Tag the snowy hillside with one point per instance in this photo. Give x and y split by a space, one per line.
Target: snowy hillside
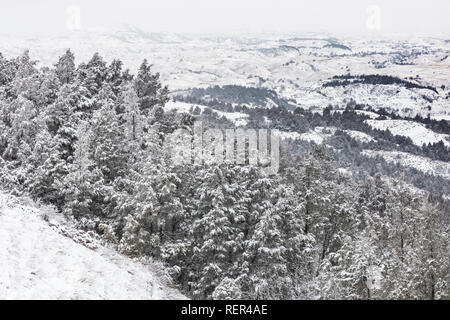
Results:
394 98
40 260
418 133
423 164
238 118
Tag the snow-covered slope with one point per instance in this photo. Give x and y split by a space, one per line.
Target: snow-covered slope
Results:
360 136
238 118
433 167
418 133
39 259
318 135
393 98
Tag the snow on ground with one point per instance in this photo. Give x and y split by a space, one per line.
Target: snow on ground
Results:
434 167
360 136
318 135
370 114
40 260
287 135
312 136
238 118
416 131
393 98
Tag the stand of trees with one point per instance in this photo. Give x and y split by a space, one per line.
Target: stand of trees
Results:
374 79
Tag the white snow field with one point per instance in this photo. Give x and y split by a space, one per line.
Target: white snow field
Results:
39 259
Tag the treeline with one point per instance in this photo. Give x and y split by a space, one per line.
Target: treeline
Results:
92 140
236 95
439 126
374 79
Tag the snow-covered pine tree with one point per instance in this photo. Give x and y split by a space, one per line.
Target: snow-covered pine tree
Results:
93 74
65 67
149 89
114 76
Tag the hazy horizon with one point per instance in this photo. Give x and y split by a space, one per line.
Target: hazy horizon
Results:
352 17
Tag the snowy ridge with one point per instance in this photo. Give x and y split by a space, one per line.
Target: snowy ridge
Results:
40 260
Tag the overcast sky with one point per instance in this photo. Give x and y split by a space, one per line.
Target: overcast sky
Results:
385 17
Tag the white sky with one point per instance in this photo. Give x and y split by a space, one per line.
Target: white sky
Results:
338 16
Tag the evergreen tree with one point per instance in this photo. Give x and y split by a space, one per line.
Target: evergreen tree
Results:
149 89
65 68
